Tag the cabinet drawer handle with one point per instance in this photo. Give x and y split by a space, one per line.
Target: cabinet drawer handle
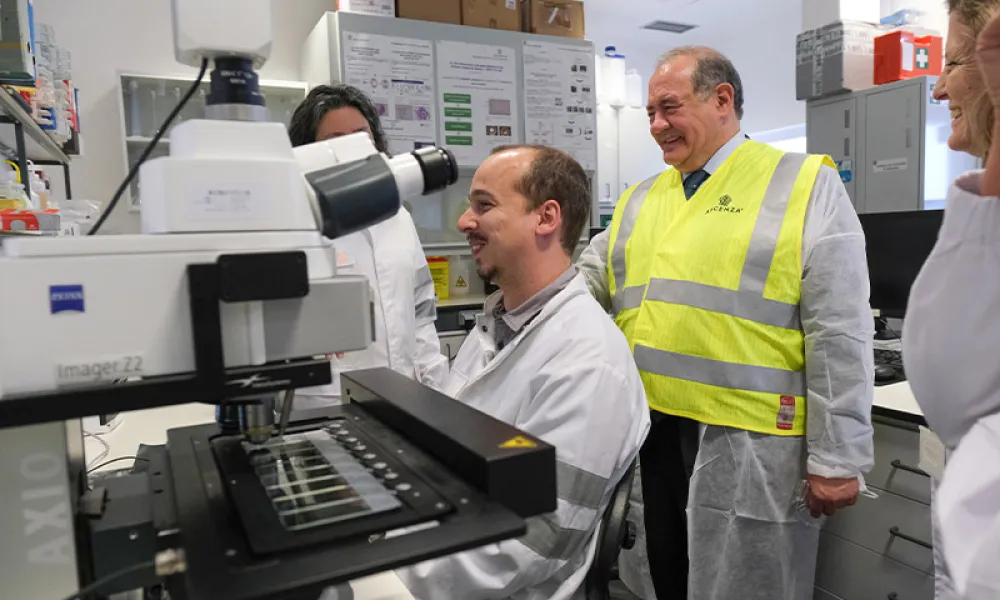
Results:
894 532
898 465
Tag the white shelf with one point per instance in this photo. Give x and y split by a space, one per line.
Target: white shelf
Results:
465 301
39 145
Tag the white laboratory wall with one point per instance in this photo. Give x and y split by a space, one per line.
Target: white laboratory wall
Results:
109 36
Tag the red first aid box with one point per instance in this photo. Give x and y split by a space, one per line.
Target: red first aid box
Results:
902 55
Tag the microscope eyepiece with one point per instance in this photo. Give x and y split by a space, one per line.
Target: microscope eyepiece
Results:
438 166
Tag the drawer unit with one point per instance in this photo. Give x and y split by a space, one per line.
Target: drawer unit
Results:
451 342
891 525
897 456
850 572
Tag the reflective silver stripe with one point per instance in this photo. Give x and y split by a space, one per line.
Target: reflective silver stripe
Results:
424 276
630 297
767 228
629 216
720 374
737 303
426 309
576 486
549 540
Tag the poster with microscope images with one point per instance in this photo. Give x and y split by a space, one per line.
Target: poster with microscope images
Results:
477 95
398 75
560 109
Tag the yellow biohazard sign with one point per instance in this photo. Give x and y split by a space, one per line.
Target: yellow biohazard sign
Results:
461 282
518 442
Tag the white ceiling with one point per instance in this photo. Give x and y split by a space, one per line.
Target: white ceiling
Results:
757 35
747 20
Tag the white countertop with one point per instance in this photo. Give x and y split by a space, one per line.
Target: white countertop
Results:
151 426
897 397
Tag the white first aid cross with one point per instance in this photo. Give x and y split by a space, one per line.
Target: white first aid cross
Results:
923 58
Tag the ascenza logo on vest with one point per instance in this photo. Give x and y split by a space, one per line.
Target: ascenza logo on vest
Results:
710 306
724 206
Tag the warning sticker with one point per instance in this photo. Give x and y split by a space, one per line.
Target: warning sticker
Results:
786 413
461 282
519 442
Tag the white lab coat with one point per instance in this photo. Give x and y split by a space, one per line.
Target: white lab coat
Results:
569 379
951 346
389 254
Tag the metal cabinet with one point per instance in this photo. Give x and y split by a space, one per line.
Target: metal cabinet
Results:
892 138
890 143
830 129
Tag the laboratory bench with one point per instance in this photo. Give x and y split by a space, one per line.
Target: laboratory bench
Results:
880 548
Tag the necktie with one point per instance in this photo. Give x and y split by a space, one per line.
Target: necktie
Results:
694 181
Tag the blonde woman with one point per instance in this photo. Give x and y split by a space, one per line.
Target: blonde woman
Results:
951 341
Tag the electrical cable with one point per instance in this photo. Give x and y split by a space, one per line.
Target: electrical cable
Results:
114 460
108 579
105 452
149 149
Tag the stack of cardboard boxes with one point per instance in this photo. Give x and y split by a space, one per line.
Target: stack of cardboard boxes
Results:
563 18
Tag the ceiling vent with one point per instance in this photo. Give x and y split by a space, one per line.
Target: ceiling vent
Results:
668 26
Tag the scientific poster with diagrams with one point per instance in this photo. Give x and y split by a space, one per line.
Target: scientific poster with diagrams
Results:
477 95
559 99
398 75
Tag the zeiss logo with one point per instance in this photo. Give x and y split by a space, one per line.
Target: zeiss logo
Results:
66 298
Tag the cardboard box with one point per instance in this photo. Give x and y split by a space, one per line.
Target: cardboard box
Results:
46 221
378 8
440 11
494 14
563 18
836 58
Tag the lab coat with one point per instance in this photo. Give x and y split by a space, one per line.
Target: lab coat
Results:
389 254
569 379
951 347
742 490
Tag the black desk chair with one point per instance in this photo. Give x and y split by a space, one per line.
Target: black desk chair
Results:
614 533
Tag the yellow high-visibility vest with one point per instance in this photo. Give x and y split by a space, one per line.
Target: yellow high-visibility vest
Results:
707 290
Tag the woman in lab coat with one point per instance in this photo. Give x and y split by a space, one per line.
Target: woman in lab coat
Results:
951 340
388 254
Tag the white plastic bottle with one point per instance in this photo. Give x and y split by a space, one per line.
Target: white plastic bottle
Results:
39 193
613 76
633 89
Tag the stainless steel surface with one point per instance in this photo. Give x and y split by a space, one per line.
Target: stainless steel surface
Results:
40 145
287 399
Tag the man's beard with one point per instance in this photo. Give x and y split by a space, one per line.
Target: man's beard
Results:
487 274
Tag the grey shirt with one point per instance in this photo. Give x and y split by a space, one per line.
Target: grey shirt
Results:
508 324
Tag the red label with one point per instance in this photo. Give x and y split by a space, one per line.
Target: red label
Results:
786 413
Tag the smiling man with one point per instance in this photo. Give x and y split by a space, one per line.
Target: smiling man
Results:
739 278
545 358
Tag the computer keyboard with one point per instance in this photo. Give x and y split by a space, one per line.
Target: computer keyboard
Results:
892 358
